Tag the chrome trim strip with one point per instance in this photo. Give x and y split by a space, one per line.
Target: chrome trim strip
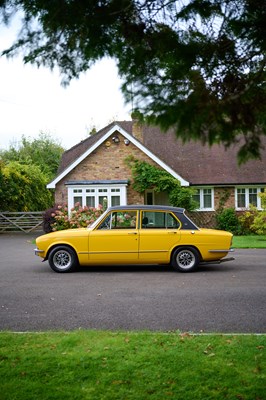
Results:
222 251
107 252
122 252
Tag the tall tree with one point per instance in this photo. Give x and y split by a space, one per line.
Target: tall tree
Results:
43 151
195 65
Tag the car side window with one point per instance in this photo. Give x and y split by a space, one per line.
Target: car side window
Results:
124 220
172 222
159 220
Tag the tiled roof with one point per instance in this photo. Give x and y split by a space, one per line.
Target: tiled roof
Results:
196 163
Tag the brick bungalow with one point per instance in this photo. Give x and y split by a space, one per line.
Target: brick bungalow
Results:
95 169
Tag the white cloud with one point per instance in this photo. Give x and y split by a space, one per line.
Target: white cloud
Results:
33 100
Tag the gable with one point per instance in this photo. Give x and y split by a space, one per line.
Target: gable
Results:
103 137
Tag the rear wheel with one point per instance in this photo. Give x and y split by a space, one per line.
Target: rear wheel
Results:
63 259
185 259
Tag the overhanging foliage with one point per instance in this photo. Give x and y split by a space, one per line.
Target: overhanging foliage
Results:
197 66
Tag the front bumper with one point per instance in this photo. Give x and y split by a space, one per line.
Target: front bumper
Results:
38 252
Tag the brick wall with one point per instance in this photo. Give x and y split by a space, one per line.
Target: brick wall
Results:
106 162
224 197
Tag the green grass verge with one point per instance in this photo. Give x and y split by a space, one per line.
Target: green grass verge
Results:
250 242
131 365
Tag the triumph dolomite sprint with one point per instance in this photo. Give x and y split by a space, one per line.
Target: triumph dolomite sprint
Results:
137 234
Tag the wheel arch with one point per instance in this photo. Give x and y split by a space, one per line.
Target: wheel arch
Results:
54 245
183 246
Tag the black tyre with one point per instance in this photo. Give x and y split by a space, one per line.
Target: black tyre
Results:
185 259
63 259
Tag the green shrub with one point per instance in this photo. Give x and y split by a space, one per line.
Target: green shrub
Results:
183 197
227 220
254 220
259 223
247 219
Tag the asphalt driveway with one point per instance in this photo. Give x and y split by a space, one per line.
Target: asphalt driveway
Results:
230 297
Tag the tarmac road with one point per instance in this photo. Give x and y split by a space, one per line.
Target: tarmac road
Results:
230 297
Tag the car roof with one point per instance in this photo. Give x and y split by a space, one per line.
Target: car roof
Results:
148 208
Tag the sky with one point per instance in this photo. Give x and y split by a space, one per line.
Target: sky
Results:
33 100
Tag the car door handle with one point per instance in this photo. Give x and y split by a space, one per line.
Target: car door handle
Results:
132 233
172 233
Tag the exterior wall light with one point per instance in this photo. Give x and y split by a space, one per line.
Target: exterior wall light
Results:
115 139
126 141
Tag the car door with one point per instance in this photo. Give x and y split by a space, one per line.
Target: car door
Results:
159 234
116 240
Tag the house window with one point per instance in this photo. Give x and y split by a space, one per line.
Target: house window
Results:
90 197
204 198
248 196
95 195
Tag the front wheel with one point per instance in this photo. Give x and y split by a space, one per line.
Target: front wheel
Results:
62 259
185 259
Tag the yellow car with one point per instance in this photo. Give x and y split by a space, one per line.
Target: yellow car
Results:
135 235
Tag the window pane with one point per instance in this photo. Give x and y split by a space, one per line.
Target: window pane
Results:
241 198
196 197
253 197
154 220
78 199
115 201
90 201
103 200
207 198
171 222
124 219
106 223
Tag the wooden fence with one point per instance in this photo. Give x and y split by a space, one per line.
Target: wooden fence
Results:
21 221
203 219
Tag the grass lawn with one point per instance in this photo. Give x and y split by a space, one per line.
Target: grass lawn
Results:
249 242
107 365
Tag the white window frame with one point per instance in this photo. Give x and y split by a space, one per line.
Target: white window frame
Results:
247 203
201 193
96 192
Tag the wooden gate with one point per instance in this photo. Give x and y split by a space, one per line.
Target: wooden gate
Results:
21 221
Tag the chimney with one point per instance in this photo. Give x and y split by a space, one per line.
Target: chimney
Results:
137 130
